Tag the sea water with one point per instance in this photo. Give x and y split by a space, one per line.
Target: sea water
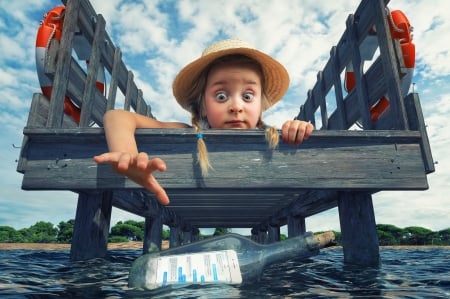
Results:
404 273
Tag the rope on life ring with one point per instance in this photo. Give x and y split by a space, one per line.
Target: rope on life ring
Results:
400 29
51 28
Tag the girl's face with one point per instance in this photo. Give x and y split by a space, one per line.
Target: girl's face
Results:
233 97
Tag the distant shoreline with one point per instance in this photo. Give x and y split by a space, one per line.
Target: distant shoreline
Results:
56 246
165 245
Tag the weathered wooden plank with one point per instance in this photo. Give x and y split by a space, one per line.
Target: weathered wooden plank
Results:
62 159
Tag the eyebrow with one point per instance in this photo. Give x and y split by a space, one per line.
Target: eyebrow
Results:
221 82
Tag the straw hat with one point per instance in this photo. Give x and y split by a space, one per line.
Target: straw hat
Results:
276 78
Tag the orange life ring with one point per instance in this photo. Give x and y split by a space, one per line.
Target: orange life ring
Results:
51 28
400 28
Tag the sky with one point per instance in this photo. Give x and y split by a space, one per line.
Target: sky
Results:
158 38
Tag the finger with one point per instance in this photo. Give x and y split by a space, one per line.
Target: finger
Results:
107 157
309 130
295 133
285 131
305 131
124 161
156 164
159 191
99 158
142 160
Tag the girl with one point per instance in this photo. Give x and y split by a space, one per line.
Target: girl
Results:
228 87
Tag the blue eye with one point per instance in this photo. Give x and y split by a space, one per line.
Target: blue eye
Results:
248 96
221 96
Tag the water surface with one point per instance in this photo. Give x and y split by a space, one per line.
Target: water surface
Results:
404 273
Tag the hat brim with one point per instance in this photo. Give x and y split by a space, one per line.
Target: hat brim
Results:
276 78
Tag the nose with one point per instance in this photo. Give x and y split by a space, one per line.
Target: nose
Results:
235 104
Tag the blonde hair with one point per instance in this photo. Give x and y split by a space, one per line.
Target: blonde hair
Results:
197 107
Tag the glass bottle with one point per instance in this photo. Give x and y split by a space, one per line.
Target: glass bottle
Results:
230 258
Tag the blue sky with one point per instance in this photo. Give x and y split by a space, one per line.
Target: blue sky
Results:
157 38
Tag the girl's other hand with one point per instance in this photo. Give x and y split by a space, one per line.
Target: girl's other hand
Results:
295 131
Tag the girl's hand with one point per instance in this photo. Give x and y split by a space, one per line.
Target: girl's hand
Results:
295 131
139 168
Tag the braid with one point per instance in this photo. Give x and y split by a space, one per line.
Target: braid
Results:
272 135
202 151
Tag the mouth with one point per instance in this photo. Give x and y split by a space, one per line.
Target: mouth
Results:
235 123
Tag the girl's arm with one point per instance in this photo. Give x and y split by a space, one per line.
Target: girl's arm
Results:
120 126
123 154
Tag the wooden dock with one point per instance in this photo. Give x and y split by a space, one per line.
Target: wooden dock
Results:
251 186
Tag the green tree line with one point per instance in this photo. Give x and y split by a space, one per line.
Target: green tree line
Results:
46 232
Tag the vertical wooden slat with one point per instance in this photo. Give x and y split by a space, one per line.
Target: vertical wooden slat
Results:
129 92
320 96
309 108
360 88
340 107
149 111
113 82
141 107
93 69
61 79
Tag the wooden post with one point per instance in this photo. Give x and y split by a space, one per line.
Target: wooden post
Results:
274 234
90 235
254 236
262 236
187 234
152 234
195 235
296 226
174 236
358 227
